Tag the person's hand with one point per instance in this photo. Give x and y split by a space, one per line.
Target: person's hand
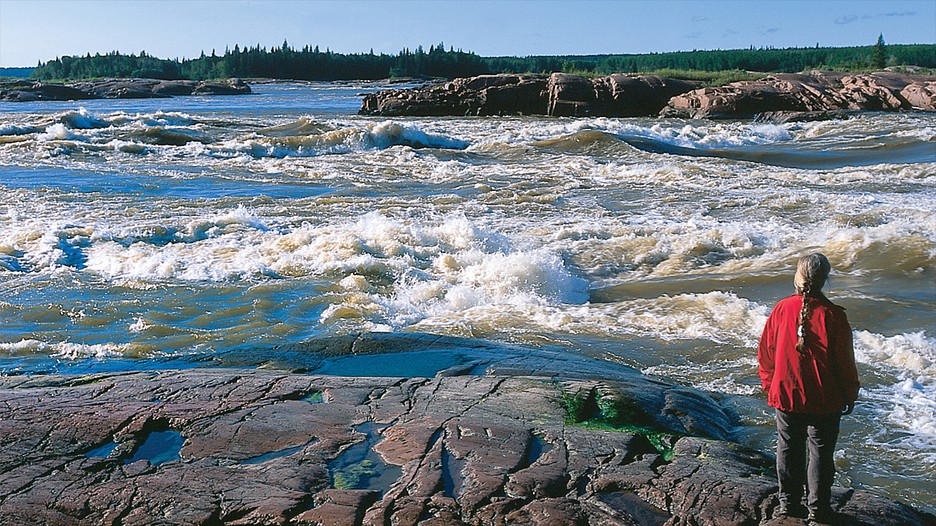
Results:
849 407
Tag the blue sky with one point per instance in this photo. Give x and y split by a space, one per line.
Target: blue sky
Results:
34 30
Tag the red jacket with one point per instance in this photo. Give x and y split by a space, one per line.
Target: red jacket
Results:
821 381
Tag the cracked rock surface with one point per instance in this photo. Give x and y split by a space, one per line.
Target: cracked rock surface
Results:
559 94
807 96
507 437
779 97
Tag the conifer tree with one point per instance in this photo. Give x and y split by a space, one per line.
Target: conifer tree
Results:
879 59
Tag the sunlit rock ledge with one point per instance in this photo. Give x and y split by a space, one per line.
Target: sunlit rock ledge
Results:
558 94
808 95
778 97
26 90
455 432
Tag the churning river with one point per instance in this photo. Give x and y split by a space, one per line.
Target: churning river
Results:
139 234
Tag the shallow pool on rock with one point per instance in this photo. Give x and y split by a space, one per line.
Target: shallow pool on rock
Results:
407 365
360 467
158 447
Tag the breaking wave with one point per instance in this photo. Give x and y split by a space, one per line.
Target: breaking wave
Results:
81 130
789 145
68 350
908 398
345 140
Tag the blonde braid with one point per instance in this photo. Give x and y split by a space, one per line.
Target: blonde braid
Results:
803 319
811 274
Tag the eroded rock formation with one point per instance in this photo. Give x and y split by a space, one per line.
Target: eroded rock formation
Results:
815 92
782 96
558 94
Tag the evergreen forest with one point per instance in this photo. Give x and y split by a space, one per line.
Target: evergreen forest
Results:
308 63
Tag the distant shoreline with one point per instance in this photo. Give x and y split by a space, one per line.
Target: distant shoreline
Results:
16 73
314 64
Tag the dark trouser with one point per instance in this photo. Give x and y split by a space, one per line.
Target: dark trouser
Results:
797 433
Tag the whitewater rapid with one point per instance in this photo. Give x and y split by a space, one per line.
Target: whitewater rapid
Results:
136 232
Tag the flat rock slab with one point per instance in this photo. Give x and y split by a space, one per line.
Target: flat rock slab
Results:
471 445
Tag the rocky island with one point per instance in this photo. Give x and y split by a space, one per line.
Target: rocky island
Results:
558 94
26 90
782 96
455 432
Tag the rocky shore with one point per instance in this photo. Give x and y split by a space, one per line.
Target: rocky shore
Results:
813 95
457 432
558 94
26 91
808 95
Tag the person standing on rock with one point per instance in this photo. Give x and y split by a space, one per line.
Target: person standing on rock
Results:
807 366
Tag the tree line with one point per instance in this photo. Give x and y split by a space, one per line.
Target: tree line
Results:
282 62
790 60
310 63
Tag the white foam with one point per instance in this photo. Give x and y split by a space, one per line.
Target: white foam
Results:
703 136
714 136
389 133
66 350
57 132
82 119
453 256
47 246
138 325
721 317
399 273
218 225
721 376
713 317
349 139
158 118
476 283
210 256
906 393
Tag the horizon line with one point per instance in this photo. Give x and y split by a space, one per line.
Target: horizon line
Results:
328 50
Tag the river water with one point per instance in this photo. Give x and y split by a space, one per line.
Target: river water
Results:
145 233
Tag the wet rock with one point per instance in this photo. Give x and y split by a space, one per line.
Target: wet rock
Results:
569 95
28 91
338 508
779 97
579 441
780 117
613 96
154 88
482 95
816 92
24 91
559 94
121 88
